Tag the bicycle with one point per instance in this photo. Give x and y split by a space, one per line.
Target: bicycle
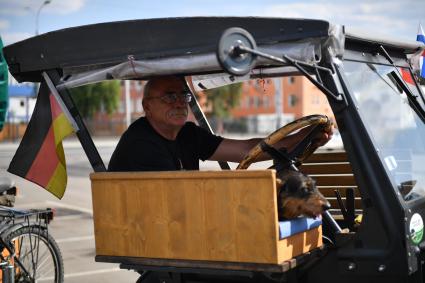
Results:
28 252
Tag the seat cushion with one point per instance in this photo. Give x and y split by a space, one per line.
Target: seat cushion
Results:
290 227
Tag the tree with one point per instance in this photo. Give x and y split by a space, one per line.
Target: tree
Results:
222 101
90 98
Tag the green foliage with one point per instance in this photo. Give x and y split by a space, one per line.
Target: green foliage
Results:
90 98
224 99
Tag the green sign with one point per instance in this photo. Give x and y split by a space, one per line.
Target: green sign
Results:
416 228
4 97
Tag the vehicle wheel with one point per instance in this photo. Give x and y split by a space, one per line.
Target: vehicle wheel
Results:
39 253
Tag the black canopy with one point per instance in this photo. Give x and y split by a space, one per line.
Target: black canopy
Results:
190 43
107 44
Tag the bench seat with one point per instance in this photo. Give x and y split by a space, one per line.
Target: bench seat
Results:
294 226
333 172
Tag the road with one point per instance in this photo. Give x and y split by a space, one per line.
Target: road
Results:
73 225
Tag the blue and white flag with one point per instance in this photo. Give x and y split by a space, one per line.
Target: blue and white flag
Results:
421 37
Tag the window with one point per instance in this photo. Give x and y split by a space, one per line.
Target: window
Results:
394 125
251 101
266 102
255 101
292 100
121 108
246 103
138 86
315 99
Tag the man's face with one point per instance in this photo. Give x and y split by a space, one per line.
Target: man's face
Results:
167 105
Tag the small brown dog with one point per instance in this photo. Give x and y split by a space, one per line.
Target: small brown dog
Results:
298 195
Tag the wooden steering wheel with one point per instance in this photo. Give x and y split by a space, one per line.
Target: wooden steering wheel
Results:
316 122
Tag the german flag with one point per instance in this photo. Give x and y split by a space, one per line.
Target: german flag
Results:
40 157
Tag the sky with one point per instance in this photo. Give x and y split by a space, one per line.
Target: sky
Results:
398 19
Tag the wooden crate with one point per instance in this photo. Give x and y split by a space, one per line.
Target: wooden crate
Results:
223 216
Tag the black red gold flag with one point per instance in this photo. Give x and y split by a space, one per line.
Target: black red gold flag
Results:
40 156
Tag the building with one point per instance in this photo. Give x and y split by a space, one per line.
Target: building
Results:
22 100
267 104
22 97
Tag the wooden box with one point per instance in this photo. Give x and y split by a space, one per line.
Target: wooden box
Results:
220 216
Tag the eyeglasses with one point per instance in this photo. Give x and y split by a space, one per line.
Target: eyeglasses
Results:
172 97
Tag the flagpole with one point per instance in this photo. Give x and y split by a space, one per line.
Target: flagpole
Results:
421 38
60 101
82 133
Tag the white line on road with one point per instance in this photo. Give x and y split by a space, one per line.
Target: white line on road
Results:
55 203
30 205
75 239
68 217
85 273
92 272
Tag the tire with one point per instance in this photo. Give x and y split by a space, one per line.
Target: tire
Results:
38 252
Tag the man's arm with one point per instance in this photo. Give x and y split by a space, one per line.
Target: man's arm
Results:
235 150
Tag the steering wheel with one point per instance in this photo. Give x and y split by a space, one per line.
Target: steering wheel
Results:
303 149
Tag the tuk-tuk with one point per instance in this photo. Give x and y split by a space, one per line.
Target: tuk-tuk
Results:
207 226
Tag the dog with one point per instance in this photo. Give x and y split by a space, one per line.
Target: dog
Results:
298 195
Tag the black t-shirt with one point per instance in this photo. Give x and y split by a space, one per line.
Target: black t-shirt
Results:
141 148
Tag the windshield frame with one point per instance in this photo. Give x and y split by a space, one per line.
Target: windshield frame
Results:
357 57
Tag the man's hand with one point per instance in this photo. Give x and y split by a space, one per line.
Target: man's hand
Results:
324 136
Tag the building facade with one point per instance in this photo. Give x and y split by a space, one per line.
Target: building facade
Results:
267 104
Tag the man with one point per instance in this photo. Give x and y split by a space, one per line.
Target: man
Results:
164 140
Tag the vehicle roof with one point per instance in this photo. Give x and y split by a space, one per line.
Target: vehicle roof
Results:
151 41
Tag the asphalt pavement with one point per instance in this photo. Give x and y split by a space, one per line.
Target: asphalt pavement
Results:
72 227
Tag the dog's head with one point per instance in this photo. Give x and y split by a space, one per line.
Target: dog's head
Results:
298 195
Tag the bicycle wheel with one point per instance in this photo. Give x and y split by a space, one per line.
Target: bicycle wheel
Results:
39 254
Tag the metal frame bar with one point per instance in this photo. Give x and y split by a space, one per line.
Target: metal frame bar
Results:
201 119
82 133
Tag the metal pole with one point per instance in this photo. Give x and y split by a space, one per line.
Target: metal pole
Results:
127 104
46 2
278 101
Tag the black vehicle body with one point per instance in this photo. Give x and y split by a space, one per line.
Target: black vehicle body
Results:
382 249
